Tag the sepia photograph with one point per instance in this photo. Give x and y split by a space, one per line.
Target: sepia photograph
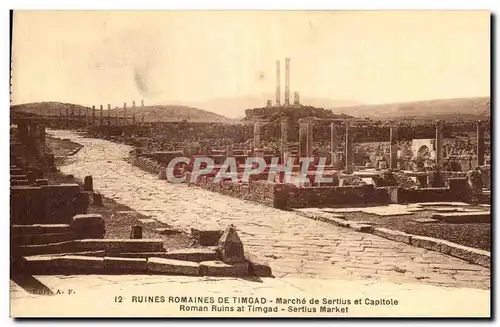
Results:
250 164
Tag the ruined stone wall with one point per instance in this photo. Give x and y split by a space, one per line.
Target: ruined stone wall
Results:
303 197
50 204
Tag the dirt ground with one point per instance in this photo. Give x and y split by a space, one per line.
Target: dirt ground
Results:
118 218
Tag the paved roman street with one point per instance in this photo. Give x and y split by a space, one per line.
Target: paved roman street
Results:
294 246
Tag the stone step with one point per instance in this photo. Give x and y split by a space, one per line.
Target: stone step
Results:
464 217
113 246
17 177
35 229
38 239
110 246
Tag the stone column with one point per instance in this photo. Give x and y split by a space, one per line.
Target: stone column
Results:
480 144
256 139
125 113
116 116
284 138
108 115
87 116
142 111
133 113
66 121
394 147
348 148
303 126
101 115
333 143
93 116
310 136
439 143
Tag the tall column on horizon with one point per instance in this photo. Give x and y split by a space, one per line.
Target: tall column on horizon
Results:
278 83
287 81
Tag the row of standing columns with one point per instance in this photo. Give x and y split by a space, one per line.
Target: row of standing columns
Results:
90 115
306 142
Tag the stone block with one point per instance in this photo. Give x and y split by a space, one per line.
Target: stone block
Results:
157 254
61 247
193 254
258 267
206 237
393 235
168 231
26 205
88 226
425 220
81 203
18 177
476 256
31 177
230 247
429 243
361 227
20 182
39 239
79 264
219 268
173 267
464 217
97 199
59 202
88 183
122 265
41 265
136 232
41 182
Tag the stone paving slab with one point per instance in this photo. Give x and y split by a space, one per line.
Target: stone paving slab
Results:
273 234
160 296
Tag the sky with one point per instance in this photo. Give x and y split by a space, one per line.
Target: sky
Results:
168 57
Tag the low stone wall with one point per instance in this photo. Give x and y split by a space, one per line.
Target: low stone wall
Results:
431 194
303 197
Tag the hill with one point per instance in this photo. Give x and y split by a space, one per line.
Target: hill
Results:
446 109
168 113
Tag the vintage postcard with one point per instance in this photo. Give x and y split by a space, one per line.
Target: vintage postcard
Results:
250 164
